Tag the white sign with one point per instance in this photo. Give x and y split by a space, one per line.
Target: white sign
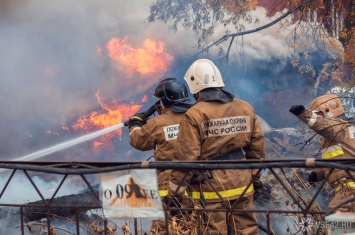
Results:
129 194
171 132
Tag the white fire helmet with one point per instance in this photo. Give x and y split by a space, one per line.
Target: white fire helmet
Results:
202 74
329 104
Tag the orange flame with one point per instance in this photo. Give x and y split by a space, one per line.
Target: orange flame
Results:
113 114
96 144
145 98
151 59
65 128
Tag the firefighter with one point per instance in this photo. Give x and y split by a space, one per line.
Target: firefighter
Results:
159 133
218 127
326 117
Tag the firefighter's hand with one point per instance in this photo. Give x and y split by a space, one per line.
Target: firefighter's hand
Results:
312 178
138 119
258 187
174 202
297 109
262 191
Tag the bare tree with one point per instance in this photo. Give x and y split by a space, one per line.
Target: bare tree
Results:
327 22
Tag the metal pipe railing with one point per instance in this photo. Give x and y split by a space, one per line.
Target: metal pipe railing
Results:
83 169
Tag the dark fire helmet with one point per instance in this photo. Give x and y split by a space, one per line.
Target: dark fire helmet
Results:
172 93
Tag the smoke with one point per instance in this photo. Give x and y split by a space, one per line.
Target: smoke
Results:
49 54
46 184
54 58
19 190
261 47
261 65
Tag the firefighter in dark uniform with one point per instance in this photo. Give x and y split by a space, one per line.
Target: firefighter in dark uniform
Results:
326 117
159 133
218 127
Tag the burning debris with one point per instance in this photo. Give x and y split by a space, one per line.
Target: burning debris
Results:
81 199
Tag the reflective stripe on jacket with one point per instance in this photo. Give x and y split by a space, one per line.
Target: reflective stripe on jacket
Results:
163 193
224 194
332 152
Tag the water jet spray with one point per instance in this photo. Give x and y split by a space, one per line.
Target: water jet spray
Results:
70 143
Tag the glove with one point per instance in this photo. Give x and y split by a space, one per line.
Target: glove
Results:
312 178
173 202
258 187
262 191
297 109
138 119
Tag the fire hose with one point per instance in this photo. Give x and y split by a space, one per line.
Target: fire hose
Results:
149 112
199 178
203 204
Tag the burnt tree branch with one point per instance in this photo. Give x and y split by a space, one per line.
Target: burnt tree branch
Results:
233 35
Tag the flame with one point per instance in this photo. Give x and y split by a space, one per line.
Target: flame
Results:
65 128
96 144
110 115
145 98
151 59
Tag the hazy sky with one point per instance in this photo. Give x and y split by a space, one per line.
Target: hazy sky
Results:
54 58
55 55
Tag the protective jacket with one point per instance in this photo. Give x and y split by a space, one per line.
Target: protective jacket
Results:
338 141
210 129
159 133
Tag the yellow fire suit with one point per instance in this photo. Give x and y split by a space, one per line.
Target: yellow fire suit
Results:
337 141
209 130
159 133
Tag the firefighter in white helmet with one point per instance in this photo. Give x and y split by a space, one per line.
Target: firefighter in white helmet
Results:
218 127
159 133
326 117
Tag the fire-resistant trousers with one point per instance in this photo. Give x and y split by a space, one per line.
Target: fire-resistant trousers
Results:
240 223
